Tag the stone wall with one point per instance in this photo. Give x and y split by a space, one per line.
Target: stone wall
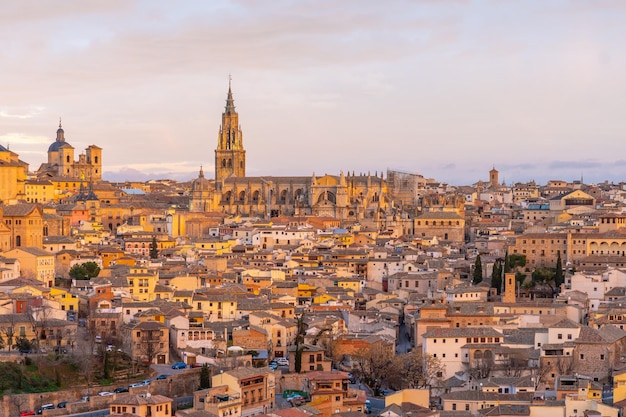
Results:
179 385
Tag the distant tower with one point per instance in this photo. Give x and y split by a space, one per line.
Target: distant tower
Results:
230 156
509 288
493 177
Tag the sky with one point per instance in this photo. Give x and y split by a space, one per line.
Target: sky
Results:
447 89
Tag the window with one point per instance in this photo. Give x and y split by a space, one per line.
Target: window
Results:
582 356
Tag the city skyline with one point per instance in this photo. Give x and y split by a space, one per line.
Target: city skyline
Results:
444 89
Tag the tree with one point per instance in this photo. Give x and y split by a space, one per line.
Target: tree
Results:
417 370
544 276
477 277
85 270
205 377
375 365
8 332
154 248
516 261
150 344
301 333
558 273
496 276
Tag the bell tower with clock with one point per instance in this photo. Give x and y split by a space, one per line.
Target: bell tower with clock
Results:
230 156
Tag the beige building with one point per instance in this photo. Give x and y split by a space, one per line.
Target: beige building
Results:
61 161
25 223
12 176
35 263
144 405
357 197
146 341
255 388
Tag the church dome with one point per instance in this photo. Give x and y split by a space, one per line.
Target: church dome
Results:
60 141
55 146
200 183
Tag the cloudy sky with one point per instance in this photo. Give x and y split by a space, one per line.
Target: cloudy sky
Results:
446 89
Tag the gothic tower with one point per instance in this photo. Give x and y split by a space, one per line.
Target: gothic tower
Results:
230 156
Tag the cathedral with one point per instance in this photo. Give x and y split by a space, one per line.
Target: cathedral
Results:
346 196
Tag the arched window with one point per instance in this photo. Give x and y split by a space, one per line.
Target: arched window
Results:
18 240
283 196
478 354
96 159
67 158
255 195
223 163
230 163
242 196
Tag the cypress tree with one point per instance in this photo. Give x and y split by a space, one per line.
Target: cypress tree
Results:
558 274
496 276
478 271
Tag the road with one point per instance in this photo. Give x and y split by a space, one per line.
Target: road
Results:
403 344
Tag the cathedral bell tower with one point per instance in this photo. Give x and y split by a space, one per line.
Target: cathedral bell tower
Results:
230 156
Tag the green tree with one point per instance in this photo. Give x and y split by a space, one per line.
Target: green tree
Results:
516 261
154 248
496 276
85 270
544 276
205 377
477 276
558 273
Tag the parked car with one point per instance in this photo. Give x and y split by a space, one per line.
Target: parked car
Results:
145 382
105 393
368 406
351 378
120 389
25 413
45 407
179 365
162 377
62 404
60 350
296 400
273 366
282 361
198 364
98 339
136 384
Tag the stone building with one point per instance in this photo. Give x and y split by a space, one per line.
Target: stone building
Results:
346 196
61 162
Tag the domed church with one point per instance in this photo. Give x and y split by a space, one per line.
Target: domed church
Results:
61 161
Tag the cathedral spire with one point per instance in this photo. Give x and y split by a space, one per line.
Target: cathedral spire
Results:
230 102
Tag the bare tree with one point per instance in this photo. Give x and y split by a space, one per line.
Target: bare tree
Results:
16 402
39 316
564 365
150 344
374 366
8 331
416 370
481 369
